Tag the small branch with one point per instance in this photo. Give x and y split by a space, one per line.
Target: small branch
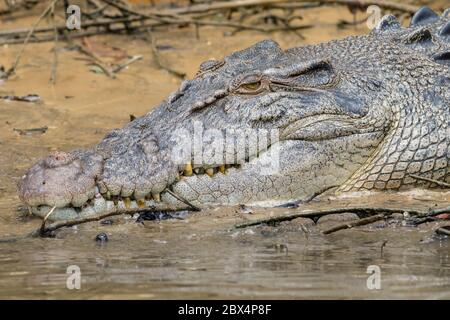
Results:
439 183
357 210
356 223
12 70
432 213
70 223
443 230
119 67
234 4
55 47
156 56
95 60
390 5
172 18
179 198
42 228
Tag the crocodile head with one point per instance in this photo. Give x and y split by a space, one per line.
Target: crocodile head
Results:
262 126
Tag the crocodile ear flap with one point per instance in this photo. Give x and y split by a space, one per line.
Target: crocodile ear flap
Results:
302 68
442 58
423 16
387 23
445 32
421 36
313 73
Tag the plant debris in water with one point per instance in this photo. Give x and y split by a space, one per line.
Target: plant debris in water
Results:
444 231
29 132
28 98
161 215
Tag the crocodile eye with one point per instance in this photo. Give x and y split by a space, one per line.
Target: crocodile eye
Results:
252 83
253 86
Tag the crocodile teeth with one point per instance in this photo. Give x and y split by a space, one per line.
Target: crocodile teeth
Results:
102 187
156 197
210 172
148 197
222 169
127 202
141 204
188 170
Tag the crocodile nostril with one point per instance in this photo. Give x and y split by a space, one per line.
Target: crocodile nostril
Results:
58 158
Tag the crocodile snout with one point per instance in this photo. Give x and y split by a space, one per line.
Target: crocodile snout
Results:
61 179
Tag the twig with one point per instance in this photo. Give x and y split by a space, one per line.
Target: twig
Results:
46 230
221 5
382 247
156 56
31 131
119 67
194 208
42 228
439 183
292 29
160 19
443 230
390 5
296 203
12 70
356 223
432 213
95 60
62 27
173 18
123 9
381 216
55 48
357 210
70 223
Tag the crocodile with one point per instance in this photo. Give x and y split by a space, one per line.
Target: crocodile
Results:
267 126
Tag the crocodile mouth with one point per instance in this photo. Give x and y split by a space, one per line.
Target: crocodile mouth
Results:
104 204
97 200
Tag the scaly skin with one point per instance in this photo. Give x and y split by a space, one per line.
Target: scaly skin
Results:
362 113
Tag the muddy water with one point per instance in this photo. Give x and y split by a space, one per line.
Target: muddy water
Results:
200 256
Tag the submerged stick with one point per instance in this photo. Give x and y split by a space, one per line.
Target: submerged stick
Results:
360 210
357 223
119 67
443 231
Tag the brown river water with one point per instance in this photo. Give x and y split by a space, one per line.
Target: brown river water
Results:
200 256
